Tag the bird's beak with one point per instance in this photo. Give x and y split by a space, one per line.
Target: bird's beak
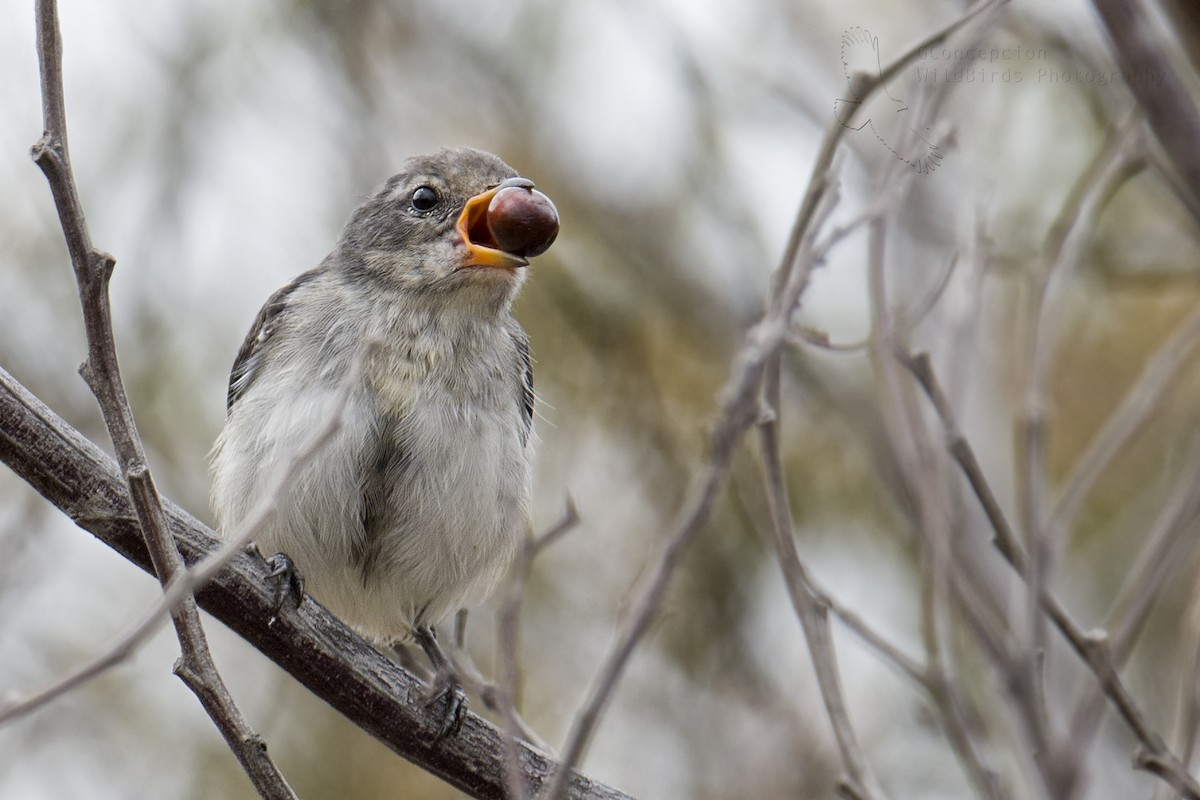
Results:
482 250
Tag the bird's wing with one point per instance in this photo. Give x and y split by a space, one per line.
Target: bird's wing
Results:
250 356
386 462
527 396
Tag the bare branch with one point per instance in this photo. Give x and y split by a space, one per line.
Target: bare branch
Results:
813 615
920 470
1170 108
93 270
1091 646
1127 420
1167 547
738 407
312 645
872 638
1112 165
508 634
185 584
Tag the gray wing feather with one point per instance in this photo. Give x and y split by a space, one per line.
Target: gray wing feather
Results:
249 357
527 396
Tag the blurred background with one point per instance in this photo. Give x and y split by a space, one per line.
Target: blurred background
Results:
219 146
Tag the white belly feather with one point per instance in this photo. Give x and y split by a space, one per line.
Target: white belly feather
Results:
451 526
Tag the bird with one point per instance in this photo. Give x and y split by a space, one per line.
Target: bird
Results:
417 504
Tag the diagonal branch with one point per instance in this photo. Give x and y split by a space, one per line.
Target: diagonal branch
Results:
812 612
187 582
1135 410
508 633
739 407
1170 107
1092 647
309 643
1114 163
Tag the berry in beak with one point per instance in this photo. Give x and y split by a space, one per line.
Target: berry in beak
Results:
508 225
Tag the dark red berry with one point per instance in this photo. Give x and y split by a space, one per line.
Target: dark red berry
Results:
523 221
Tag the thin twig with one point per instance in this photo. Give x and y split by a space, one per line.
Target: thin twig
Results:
312 645
813 616
185 584
1168 545
508 635
890 653
1189 688
1091 646
919 469
93 271
1112 165
738 412
1169 104
1127 420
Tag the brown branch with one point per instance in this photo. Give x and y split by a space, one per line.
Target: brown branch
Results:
508 630
1169 544
1091 646
93 271
1131 415
918 468
1170 107
309 643
187 582
737 413
1114 163
813 615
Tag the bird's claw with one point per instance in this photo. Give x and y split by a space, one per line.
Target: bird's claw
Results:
448 690
447 686
289 583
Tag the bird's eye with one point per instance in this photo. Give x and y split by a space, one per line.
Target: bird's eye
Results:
424 198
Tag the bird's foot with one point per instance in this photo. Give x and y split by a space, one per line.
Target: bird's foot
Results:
289 583
447 691
447 687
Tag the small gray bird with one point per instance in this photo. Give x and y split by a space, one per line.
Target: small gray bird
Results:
418 504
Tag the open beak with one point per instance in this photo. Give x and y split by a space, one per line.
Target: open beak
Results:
482 249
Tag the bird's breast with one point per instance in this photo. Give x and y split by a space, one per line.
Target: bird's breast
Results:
455 510
459 372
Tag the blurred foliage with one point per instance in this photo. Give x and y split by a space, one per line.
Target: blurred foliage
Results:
219 148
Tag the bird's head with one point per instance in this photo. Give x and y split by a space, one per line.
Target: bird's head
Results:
457 222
